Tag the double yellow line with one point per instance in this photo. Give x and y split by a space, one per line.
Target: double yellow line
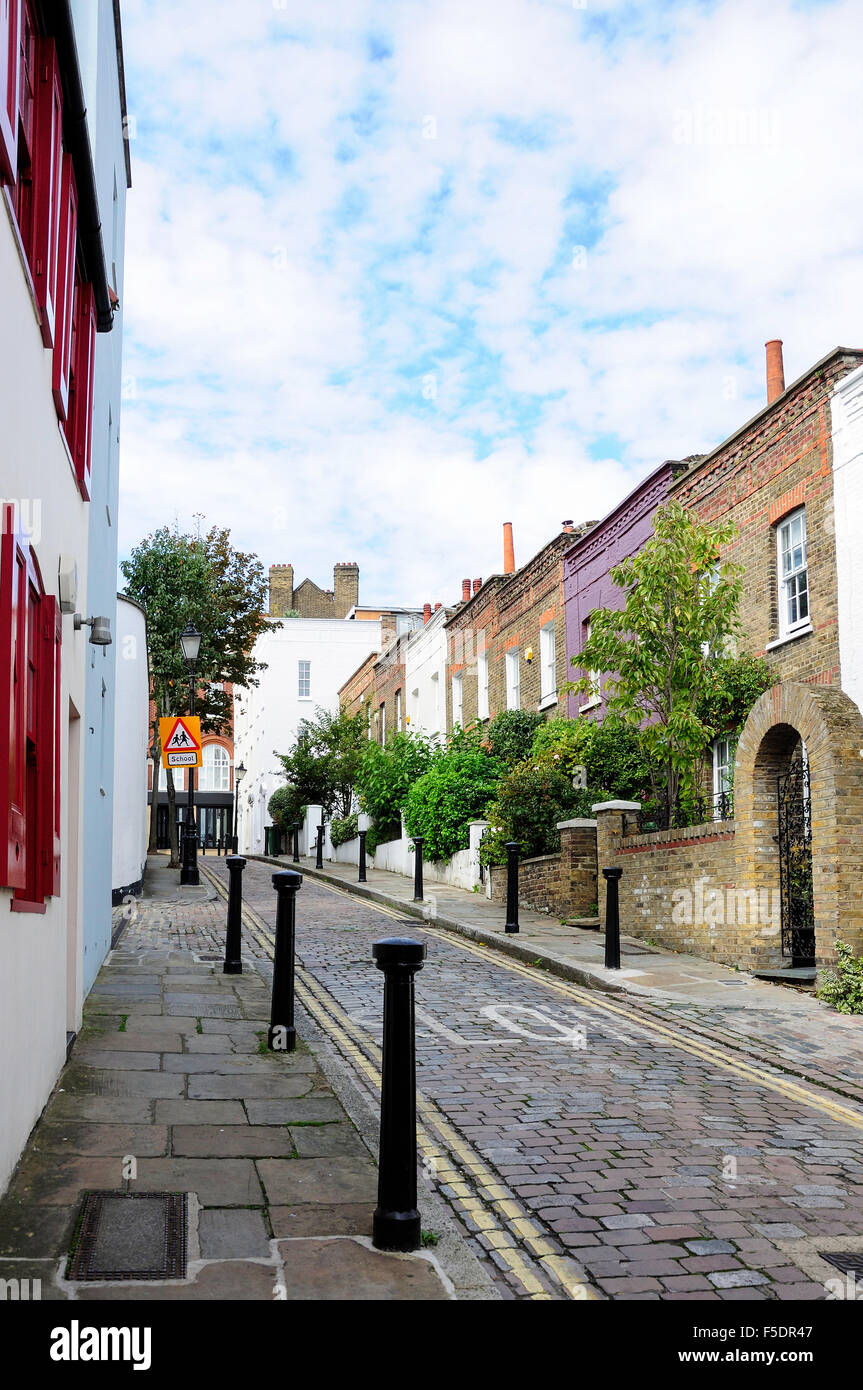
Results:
484 1200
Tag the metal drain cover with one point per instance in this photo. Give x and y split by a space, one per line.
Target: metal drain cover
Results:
848 1261
130 1235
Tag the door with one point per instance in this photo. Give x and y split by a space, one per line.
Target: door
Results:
795 861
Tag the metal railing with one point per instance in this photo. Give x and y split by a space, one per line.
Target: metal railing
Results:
697 809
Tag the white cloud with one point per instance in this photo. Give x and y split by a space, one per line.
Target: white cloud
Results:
300 257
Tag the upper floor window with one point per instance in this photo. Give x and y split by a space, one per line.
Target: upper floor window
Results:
482 685
594 695
793 573
215 773
398 710
547 662
513 681
304 685
457 711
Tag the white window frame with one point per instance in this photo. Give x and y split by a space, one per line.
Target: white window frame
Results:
723 771
547 665
207 778
595 696
513 678
399 724
482 685
304 680
383 722
457 699
785 581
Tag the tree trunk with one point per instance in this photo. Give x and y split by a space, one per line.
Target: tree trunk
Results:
172 820
154 800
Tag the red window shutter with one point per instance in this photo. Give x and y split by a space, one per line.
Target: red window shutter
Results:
48 761
81 442
65 287
47 168
13 685
10 20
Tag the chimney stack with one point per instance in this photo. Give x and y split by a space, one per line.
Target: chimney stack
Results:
775 370
508 551
477 585
465 590
436 607
426 612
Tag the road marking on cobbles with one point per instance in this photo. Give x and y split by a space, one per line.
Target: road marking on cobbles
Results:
482 1210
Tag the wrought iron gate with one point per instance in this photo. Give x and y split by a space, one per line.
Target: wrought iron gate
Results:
795 862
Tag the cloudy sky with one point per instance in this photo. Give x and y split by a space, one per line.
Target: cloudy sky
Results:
398 271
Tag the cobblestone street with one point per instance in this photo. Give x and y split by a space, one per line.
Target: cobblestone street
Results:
590 1147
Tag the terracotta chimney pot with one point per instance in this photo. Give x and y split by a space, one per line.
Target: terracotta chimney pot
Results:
465 590
508 550
775 370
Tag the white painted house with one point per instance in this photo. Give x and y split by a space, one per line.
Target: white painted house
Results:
56 283
425 676
307 660
131 739
846 411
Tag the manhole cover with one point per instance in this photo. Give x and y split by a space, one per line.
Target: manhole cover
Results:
137 1235
848 1261
211 956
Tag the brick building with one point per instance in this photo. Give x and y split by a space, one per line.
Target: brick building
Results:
506 642
307 599
380 684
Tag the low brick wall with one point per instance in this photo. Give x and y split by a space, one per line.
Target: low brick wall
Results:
680 889
562 884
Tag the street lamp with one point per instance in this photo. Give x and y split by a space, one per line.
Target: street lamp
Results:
190 642
239 774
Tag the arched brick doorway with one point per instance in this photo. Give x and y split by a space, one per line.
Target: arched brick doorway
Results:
831 727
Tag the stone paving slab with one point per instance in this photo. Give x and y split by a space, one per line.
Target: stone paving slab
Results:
168 1072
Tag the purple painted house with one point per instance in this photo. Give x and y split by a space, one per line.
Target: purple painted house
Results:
587 583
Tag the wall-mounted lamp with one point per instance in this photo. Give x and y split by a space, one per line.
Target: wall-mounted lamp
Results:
100 629
528 656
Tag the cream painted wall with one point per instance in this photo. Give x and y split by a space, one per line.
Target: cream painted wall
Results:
847 425
35 467
425 660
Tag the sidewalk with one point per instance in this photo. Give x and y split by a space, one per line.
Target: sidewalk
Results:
784 1027
168 1081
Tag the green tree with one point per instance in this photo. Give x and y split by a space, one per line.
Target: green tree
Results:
325 759
456 789
511 733
286 806
654 654
386 775
180 578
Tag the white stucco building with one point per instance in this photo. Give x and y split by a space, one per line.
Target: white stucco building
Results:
131 737
425 676
57 297
846 410
307 660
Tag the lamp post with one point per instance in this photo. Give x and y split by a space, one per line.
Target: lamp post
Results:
190 641
239 774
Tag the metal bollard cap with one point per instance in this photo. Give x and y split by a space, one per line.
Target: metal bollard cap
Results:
235 861
612 873
287 879
398 950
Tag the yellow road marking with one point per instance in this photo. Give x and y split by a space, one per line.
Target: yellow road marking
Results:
324 1011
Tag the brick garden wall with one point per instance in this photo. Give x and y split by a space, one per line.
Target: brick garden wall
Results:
562 884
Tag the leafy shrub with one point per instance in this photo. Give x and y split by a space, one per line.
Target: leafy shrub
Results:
285 806
843 988
381 835
511 733
343 830
611 751
385 777
531 799
456 789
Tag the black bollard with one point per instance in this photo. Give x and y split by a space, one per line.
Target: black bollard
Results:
512 848
362 877
418 868
296 829
612 919
233 940
282 1036
319 860
396 1224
